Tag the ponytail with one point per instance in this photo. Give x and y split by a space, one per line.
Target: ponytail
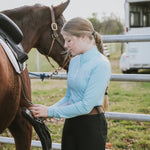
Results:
99 44
98 41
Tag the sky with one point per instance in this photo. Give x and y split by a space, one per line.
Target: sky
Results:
76 8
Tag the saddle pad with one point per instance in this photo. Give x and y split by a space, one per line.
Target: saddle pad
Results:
18 68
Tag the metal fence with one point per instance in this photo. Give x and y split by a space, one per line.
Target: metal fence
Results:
114 77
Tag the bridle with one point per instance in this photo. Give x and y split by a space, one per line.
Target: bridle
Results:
54 28
55 37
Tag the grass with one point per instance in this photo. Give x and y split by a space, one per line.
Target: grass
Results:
126 97
44 66
129 135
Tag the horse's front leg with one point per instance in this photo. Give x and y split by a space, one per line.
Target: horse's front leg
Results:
21 131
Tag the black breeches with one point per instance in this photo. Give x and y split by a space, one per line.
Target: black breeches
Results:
85 132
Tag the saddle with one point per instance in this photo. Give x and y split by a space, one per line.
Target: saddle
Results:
12 36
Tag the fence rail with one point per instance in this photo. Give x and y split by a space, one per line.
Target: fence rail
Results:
125 38
114 77
34 143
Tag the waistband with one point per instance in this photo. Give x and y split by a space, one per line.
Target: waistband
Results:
96 110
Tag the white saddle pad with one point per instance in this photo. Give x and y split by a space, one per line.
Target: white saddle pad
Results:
12 58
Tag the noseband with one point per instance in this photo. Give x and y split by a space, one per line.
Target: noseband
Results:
54 28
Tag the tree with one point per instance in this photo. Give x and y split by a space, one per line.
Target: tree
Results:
96 23
109 24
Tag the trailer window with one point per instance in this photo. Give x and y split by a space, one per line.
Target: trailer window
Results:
139 14
134 19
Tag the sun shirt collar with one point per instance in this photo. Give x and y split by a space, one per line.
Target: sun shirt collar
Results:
88 55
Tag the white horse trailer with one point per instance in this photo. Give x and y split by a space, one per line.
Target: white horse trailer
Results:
137 21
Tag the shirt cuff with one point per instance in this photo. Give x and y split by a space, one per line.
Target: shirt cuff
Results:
51 112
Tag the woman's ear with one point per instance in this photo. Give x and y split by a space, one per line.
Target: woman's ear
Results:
84 37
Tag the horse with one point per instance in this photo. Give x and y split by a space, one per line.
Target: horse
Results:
41 27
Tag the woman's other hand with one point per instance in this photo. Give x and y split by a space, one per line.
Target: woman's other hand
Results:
39 110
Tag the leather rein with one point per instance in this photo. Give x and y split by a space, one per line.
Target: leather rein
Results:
55 37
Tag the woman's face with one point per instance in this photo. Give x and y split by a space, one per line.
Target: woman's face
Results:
75 45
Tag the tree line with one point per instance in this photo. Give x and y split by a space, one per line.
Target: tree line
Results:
108 25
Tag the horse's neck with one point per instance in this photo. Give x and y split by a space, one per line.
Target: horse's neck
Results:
30 20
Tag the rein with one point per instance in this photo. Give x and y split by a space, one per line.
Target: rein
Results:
55 37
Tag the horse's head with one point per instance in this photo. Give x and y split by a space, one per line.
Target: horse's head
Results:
41 27
51 42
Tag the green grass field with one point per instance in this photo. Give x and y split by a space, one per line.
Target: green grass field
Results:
125 97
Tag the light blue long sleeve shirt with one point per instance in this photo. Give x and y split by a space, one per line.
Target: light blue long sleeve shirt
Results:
88 78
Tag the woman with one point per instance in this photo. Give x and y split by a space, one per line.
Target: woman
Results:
89 73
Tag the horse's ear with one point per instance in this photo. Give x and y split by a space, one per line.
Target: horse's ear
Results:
60 8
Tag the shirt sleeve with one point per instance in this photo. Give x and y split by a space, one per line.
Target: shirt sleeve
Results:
97 84
62 102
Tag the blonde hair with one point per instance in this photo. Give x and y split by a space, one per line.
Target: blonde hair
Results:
79 27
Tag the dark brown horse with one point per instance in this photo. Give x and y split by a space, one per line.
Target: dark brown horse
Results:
35 23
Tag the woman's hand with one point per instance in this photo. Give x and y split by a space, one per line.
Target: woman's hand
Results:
39 110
